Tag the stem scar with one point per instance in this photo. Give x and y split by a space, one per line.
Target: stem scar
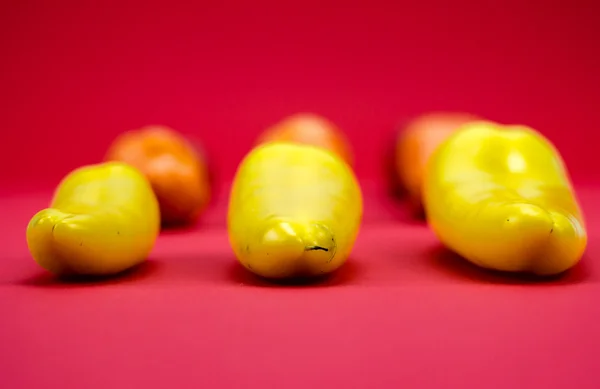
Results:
312 248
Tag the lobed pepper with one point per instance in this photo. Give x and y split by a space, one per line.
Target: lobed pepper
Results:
501 197
103 219
294 211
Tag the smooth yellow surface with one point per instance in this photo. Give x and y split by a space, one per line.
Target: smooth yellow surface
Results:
102 220
501 197
294 210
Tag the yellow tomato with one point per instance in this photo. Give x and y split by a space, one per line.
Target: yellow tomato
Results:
102 220
294 210
500 196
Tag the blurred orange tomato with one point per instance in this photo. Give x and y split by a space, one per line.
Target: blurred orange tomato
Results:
175 168
311 129
415 144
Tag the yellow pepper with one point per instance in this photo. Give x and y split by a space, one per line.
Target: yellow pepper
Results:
294 211
103 219
501 197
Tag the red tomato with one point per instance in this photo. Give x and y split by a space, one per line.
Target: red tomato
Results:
175 168
310 129
417 141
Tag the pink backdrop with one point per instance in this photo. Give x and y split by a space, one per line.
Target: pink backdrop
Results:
74 74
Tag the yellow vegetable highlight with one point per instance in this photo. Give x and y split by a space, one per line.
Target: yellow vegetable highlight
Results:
103 219
294 211
501 197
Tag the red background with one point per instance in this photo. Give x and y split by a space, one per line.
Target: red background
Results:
75 74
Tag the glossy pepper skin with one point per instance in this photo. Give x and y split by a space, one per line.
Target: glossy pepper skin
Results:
500 197
103 219
294 211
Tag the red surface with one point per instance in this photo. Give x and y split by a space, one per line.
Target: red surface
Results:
401 313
